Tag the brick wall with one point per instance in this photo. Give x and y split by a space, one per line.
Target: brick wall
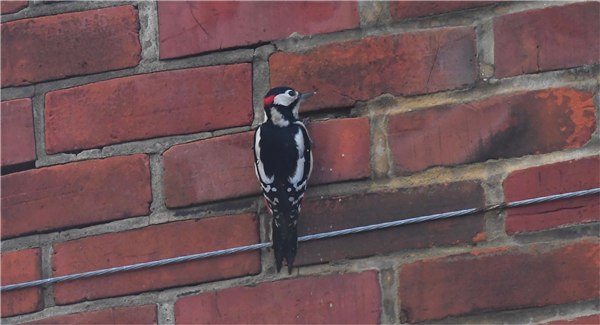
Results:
127 135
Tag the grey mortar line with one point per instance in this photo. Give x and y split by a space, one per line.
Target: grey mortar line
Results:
165 313
388 281
158 189
261 82
373 13
484 36
47 290
580 78
148 34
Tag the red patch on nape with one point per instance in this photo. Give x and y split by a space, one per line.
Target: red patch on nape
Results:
269 100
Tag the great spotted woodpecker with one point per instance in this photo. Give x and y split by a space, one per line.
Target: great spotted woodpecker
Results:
283 164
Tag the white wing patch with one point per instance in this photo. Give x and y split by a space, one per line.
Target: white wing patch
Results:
259 167
299 173
301 186
311 156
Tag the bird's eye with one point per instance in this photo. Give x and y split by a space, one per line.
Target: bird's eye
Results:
291 93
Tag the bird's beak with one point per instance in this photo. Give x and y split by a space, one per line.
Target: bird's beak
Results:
305 95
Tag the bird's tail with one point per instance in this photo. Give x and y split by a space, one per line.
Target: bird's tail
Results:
285 245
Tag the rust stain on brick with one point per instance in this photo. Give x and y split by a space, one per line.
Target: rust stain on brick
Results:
580 108
480 237
506 126
594 253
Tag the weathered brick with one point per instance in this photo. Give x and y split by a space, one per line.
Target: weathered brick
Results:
188 28
60 46
18 267
123 315
412 9
155 243
8 7
341 150
498 280
333 299
210 170
366 209
584 320
18 141
504 126
148 106
563 177
75 194
547 39
192 170
343 73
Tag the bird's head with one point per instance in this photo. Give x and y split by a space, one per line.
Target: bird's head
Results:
282 105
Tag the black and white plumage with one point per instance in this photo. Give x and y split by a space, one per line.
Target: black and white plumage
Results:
283 164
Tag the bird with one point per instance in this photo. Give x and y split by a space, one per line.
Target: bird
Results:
283 164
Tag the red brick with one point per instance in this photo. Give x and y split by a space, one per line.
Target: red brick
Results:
188 28
504 126
148 106
584 320
343 73
504 280
75 194
210 170
192 170
563 177
18 267
155 243
366 209
333 299
61 46
412 9
18 141
341 150
8 7
123 315
547 39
